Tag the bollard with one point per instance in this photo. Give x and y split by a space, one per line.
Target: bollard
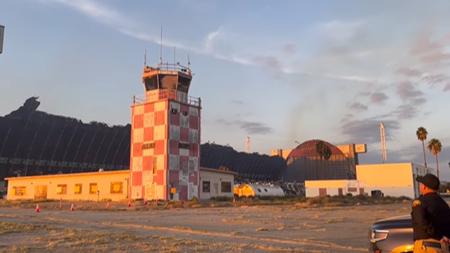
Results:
72 207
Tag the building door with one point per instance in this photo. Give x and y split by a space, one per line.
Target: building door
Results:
215 190
361 191
322 192
40 192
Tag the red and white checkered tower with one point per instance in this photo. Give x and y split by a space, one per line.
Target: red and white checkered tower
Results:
165 136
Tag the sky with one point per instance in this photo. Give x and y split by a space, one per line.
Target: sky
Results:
280 72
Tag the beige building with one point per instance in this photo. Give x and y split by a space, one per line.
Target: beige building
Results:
392 179
216 183
105 185
338 187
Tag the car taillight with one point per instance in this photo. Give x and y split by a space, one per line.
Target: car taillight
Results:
378 235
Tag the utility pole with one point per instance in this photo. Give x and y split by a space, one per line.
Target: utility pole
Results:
2 31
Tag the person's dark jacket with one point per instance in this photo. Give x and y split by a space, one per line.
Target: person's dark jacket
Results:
430 217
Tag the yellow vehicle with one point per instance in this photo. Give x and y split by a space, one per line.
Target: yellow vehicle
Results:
257 190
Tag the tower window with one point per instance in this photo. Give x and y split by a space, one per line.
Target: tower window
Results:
148 145
155 163
184 145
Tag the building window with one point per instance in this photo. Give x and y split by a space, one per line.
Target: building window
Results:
116 187
225 186
78 188
93 188
206 186
174 111
61 189
352 189
20 190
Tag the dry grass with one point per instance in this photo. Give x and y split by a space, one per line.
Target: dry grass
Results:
298 202
11 227
56 239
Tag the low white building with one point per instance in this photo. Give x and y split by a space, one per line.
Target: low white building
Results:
216 183
392 179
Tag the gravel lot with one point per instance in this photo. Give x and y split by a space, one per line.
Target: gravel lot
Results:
286 228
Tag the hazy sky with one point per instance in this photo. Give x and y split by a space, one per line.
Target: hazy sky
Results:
280 72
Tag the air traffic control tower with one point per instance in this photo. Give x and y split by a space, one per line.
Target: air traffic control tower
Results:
165 136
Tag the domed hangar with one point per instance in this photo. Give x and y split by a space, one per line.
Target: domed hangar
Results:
318 159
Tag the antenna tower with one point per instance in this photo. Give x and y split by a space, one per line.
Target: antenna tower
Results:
383 143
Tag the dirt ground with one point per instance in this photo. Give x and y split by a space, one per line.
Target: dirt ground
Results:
287 228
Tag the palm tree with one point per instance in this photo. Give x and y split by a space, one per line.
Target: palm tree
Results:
323 150
435 148
422 136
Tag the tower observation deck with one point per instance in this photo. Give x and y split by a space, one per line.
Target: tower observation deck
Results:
168 81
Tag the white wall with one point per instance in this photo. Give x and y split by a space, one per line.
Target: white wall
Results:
215 179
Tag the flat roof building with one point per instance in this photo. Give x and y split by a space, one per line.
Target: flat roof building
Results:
390 179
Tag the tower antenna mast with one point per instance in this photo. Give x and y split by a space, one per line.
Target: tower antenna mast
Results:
161 47
145 57
383 143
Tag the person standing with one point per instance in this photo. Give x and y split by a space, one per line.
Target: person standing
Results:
430 218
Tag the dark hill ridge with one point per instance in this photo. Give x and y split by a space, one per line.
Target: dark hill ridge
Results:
33 142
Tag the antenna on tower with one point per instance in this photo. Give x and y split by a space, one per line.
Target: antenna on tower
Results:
248 145
161 47
174 55
383 143
145 57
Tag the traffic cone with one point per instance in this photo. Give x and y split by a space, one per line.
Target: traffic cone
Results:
38 210
72 207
